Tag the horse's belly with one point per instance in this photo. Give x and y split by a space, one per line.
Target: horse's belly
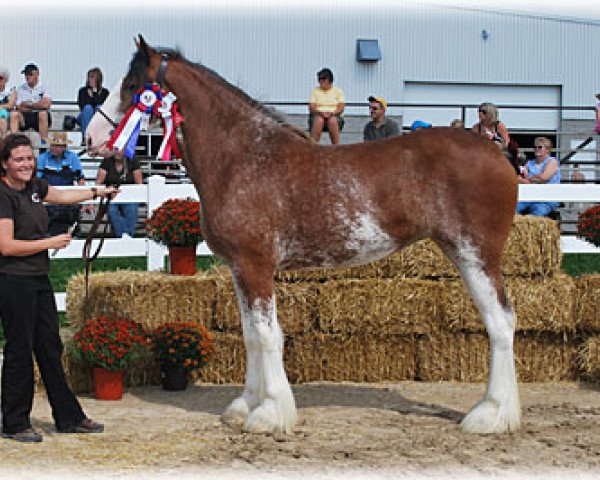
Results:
349 244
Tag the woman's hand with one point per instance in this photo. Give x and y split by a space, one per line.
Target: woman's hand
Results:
107 192
60 241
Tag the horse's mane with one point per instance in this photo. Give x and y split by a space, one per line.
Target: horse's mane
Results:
175 54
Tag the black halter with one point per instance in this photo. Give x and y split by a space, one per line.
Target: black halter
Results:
162 70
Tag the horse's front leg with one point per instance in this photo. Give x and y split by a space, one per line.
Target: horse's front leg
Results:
267 403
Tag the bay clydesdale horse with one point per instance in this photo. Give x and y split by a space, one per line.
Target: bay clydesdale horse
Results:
274 200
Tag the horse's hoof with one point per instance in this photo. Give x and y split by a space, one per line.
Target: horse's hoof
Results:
266 418
489 417
237 412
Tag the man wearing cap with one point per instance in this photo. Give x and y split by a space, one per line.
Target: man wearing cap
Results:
380 126
33 104
60 166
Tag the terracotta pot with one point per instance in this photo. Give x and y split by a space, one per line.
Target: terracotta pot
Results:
182 260
108 385
173 377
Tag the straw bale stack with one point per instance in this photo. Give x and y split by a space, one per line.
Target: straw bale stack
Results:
589 358
541 304
151 298
379 306
228 363
539 357
586 306
357 358
296 305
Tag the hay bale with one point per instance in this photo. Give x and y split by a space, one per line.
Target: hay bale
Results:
296 305
533 247
379 306
541 304
589 358
151 298
539 357
587 314
228 363
356 358
374 269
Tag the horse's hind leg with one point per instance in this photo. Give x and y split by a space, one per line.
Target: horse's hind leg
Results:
267 403
499 410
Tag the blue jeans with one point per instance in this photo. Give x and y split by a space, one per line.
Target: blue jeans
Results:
538 209
123 218
85 117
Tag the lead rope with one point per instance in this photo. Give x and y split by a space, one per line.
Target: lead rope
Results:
87 247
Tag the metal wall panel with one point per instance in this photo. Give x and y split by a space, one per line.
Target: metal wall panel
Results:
274 54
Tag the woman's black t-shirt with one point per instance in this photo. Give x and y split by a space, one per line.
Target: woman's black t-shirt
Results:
26 209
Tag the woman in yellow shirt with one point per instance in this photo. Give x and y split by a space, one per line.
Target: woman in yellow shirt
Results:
326 108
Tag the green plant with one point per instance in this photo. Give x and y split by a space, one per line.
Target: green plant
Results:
186 344
176 222
110 343
588 225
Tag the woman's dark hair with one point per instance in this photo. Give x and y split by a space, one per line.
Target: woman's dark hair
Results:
98 74
12 141
325 73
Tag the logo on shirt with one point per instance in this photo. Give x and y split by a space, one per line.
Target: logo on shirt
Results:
35 197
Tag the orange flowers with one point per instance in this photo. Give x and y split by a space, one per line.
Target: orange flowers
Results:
588 225
176 222
180 343
111 343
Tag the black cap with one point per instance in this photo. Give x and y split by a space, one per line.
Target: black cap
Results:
30 67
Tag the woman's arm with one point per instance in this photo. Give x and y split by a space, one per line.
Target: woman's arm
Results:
70 196
547 173
10 103
503 133
11 247
101 176
137 176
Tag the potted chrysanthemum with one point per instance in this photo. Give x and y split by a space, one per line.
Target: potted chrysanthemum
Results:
176 224
109 345
181 348
588 225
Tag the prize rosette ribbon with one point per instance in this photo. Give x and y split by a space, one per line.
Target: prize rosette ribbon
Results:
171 120
137 118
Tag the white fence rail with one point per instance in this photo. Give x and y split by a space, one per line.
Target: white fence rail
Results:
157 190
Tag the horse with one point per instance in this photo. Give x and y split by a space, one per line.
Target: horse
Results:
272 199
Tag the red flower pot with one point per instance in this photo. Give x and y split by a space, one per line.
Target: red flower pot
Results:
108 385
182 260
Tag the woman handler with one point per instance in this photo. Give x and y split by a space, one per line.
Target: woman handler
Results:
27 306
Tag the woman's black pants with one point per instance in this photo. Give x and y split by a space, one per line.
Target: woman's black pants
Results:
30 323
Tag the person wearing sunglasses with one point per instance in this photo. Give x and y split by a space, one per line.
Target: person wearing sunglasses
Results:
542 169
8 97
380 126
490 126
326 108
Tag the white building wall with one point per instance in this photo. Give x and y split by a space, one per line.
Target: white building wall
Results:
274 54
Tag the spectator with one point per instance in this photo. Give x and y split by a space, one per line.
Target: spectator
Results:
457 123
90 98
8 98
60 166
33 105
380 126
122 216
27 307
419 124
326 108
597 126
543 169
490 126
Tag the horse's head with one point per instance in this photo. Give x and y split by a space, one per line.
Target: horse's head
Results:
144 68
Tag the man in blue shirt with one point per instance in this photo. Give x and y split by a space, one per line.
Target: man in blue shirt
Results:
60 166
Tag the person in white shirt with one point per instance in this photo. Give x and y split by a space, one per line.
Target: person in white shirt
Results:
33 105
326 108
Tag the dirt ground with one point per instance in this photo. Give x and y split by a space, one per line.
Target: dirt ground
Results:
345 430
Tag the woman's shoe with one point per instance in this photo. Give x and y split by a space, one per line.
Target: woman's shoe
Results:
27 436
85 426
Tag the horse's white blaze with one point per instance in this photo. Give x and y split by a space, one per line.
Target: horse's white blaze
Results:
267 403
499 410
